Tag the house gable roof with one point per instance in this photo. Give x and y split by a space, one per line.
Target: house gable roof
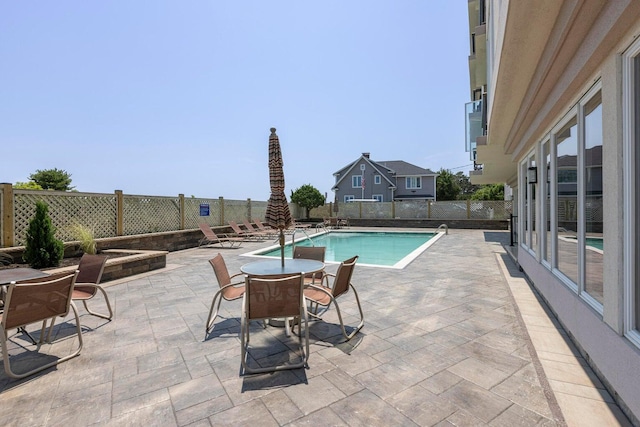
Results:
345 171
385 169
402 168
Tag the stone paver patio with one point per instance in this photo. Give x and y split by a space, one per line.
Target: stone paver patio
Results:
455 338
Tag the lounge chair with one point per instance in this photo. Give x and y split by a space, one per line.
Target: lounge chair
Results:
29 303
324 294
267 298
270 232
228 290
246 234
211 238
300 224
256 231
315 253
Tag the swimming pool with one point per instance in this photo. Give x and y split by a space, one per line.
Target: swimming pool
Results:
387 249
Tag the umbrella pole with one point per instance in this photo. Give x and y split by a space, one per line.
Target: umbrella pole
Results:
282 246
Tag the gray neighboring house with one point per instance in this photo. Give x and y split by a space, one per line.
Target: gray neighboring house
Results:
365 179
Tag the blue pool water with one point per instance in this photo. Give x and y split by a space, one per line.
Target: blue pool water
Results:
386 249
595 242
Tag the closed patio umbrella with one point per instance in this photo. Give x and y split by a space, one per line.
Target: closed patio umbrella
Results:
278 214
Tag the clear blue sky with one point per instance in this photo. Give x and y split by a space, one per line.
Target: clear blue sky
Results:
163 97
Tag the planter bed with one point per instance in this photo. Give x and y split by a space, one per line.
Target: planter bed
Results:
135 262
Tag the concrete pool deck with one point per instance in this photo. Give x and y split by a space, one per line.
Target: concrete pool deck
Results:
456 338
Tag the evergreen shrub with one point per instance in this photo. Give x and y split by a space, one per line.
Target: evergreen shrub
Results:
42 249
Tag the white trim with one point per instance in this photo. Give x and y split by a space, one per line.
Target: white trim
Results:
582 185
630 328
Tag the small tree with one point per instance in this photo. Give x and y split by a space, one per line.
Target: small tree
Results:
29 185
447 187
52 179
466 187
489 192
307 197
42 249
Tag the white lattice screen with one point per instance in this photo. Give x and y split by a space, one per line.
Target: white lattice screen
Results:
412 209
449 210
150 214
66 209
192 212
146 214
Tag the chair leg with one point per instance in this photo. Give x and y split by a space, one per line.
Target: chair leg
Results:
212 314
360 325
5 352
106 299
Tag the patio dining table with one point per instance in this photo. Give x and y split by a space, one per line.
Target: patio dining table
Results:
9 275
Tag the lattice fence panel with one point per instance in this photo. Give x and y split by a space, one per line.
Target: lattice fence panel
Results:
489 209
235 210
147 214
594 209
376 210
567 209
192 212
449 210
410 209
66 209
348 210
259 209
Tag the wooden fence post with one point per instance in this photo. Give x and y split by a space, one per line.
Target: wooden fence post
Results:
468 208
221 219
8 216
249 209
119 213
181 213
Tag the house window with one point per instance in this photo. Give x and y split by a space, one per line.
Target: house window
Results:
414 182
566 198
529 236
631 186
349 198
356 181
545 196
377 179
593 243
377 197
570 200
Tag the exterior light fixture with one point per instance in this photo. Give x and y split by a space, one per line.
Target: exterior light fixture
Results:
532 175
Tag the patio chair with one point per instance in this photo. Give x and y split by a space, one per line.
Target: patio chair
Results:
228 290
324 295
211 238
29 303
239 232
274 297
87 285
315 253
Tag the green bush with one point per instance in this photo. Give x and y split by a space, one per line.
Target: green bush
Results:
42 249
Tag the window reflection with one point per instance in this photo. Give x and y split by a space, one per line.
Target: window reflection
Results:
594 238
567 199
